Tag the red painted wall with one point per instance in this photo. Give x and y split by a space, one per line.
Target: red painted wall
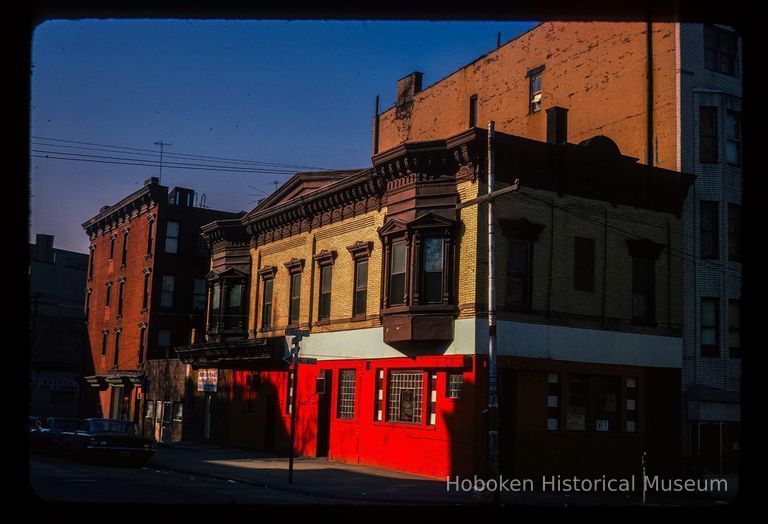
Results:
449 447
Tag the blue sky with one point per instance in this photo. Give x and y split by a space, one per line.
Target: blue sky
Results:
285 92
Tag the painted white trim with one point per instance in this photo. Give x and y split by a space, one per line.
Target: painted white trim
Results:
585 345
514 339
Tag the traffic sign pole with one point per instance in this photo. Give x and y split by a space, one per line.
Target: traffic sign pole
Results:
298 334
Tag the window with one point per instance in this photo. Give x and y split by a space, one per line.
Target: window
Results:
473 111
592 403
293 313
709 225
518 272
120 293
361 287
708 135
432 270
720 50
150 236
213 321
112 247
233 301
90 262
733 137
405 396
266 304
734 232
535 92
455 385
164 338
199 293
145 296
710 319
109 294
172 237
345 408
643 288
124 255
397 274
104 341
166 294
584 264
87 304
149 409
178 411
117 348
142 335
734 329
326 273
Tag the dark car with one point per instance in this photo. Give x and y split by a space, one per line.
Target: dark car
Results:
115 441
58 431
34 428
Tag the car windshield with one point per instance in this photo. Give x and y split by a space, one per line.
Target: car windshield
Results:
64 424
111 426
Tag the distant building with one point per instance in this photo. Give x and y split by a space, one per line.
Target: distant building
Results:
145 293
59 349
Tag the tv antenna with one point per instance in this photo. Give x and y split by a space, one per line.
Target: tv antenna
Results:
162 146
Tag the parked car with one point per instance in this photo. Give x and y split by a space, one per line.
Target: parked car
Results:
115 441
34 427
58 431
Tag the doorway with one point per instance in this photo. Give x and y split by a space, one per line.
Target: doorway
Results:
324 412
270 422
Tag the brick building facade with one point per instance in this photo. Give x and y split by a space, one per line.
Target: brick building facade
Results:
672 100
386 268
145 293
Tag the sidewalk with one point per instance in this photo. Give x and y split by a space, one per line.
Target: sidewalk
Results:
356 484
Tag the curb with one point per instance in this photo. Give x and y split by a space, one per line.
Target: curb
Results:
317 494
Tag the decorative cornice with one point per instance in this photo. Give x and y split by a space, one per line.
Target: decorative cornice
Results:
325 258
267 272
294 265
520 228
360 249
644 248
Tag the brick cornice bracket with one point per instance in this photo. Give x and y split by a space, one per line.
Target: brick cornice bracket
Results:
142 325
121 280
267 272
147 270
325 258
520 228
294 265
360 249
644 248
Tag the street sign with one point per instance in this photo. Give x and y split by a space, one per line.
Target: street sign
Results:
306 360
297 332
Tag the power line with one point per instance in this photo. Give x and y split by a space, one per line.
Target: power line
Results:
176 155
167 164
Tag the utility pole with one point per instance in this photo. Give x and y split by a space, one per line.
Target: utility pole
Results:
294 360
493 398
162 145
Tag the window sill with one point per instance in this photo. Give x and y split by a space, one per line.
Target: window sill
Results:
324 322
350 421
358 318
418 426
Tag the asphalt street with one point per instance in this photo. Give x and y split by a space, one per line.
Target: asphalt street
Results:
55 479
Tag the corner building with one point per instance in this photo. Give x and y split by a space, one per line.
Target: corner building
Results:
386 268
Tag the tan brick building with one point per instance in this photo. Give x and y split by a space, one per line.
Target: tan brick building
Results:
386 269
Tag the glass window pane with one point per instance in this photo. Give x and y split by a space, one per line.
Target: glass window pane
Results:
325 278
398 258
362 274
171 245
172 229
518 256
708 313
433 254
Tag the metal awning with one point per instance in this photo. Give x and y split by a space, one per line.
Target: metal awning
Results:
260 352
117 378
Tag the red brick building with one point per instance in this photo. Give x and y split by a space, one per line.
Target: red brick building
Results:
145 293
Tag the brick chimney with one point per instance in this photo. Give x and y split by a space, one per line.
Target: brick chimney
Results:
407 87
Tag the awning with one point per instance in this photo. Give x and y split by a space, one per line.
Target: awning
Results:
261 353
116 379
